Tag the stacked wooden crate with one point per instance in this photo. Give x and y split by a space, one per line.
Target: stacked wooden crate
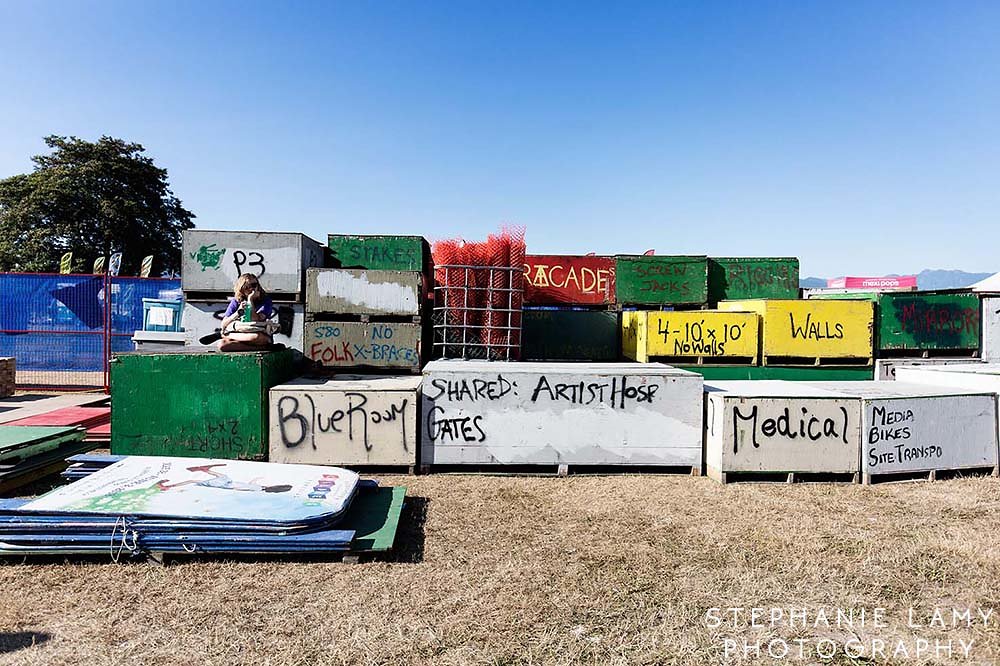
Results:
8 376
365 314
213 260
569 309
371 315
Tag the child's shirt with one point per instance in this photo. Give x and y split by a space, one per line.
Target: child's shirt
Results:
266 308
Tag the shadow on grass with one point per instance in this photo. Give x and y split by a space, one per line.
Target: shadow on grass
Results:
12 641
409 546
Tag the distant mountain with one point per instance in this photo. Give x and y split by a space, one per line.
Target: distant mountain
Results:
926 279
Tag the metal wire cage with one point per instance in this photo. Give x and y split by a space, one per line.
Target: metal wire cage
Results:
477 312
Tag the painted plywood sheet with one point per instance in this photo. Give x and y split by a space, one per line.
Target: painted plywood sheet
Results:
777 426
349 420
346 291
205 488
560 413
364 344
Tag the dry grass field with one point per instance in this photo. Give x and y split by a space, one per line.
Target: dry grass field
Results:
518 570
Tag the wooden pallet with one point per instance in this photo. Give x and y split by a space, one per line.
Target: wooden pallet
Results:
781 477
559 470
660 307
929 475
817 361
704 360
928 353
336 317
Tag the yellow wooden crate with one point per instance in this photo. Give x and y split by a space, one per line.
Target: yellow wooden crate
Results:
812 330
707 335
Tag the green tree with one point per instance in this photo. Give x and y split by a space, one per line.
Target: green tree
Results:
91 198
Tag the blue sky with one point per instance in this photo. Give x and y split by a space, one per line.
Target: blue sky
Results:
862 137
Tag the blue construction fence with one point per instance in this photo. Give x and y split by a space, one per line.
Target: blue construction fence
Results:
58 328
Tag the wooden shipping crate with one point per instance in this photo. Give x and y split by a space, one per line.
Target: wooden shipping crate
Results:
212 260
908 428
570 335
929 322
201 318
552 279
706 336
734 278
341 291
348 420
195 404
380 252
812 332
990 336
661 280
482 413
779 427
355 344
8 376
885 368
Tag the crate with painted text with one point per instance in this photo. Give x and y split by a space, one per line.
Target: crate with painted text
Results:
780 431
389 345
211 261
195 404
705 337
349 420
812 332
661 280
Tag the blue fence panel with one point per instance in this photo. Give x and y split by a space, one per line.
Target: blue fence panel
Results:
54 325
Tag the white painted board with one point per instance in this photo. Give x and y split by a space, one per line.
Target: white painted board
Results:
779 426
201 318
348 420
477 412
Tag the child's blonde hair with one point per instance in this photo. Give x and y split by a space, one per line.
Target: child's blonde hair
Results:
241 291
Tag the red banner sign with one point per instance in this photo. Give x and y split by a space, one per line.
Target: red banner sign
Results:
552 279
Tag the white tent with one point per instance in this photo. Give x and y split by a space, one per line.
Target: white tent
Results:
990 284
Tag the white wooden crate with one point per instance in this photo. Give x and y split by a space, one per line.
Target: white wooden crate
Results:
481 413
772 426
348 420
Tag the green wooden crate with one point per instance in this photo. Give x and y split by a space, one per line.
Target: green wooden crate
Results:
804 374
387 253
208 404
678 280
928 321
570 335
740 278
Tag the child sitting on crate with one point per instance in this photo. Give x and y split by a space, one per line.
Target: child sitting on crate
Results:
243 332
